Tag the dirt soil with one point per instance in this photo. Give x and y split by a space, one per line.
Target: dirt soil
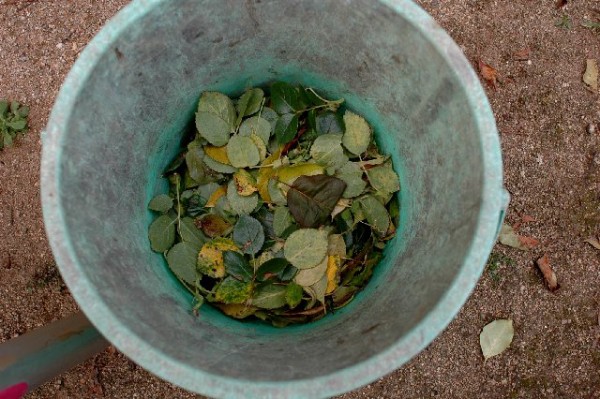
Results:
552 170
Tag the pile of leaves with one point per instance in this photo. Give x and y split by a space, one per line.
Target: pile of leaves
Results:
280 206
13 121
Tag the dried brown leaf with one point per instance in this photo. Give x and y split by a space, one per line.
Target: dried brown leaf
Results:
529 242
522 55
561 3
594 242
489 74
543 264
590 77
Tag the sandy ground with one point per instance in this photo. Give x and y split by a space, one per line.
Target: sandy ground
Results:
552 171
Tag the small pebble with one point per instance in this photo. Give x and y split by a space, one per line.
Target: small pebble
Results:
591 128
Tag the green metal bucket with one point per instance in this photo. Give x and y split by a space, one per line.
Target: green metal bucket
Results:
117 123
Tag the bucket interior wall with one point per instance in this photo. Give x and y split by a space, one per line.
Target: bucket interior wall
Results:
126 127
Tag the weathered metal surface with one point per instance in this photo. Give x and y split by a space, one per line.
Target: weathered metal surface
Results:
115 126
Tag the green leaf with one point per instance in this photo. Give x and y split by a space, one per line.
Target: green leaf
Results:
240 205
269 296
327 150
190 233
358 133
384 179
242 152
8 139
218 166
3 107
288 273
249 103
161 203
376 214
256 125
275 193
271 268
182 261
219 105
195 164
328 122
23 112
162 232
282 219
310 97
231 290
311 199
306 248
17 125
496 337
308 277
269 115
351 173
286 128
14 106
248 234
214 129
176 163
237 266
284 98
293 295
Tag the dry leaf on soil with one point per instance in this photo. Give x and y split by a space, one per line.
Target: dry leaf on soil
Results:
489 74
496 337
544 265
590 77
561 3
522 55
510 238
594 242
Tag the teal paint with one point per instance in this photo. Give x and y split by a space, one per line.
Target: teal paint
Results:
116 125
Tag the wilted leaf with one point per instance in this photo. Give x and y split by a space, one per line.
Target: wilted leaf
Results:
376 214
312 198
522 55
162 232
590 77
508 237
308 277
240 205
489 74
218 154
194 160
351 173
213 225
190 233
357 136
232 291
336 246
215 196
245 183
236 310
306 248
560 4
256 125
327 150
543 264
210 259
289 173
496 337
161 203
333 269
242 152
260 144
248 234
269 296
384 179
182 261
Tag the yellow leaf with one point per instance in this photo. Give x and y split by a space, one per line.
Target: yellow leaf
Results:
210 257
219 192
260 144
333 268
340 206
245 183
236 310
218 154
289 173
264 175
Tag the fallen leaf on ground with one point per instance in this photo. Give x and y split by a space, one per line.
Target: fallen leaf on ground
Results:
560 4
544 265
522 55
496 337
489 74
508 237
594 242
524 219
590 77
